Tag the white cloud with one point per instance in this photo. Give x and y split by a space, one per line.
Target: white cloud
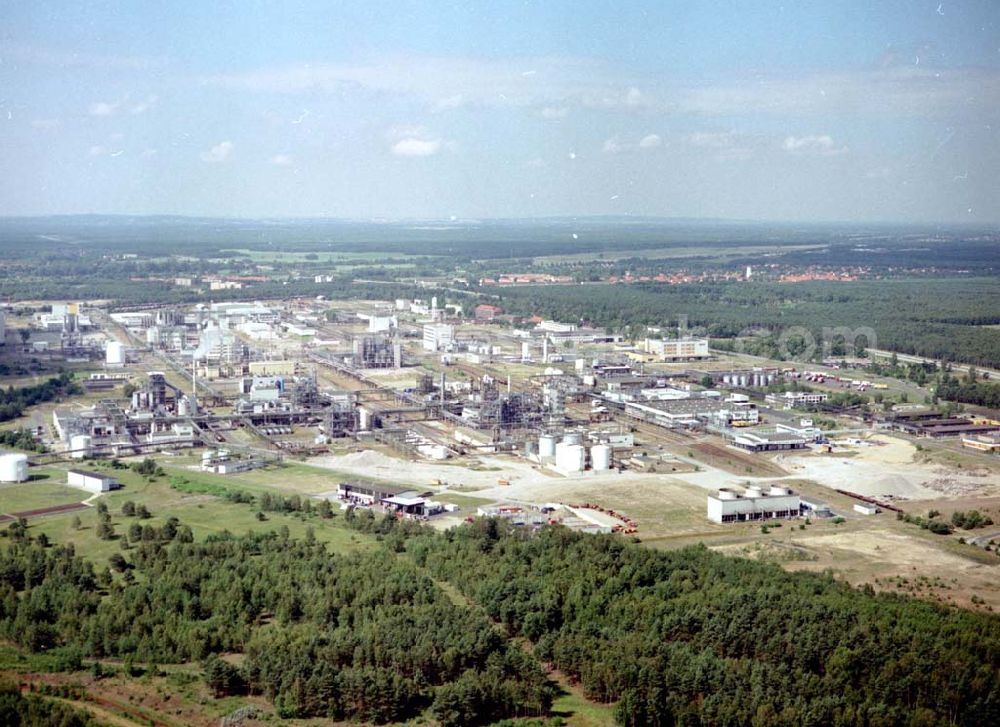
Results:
281 160
572 82
148 153
725 145
74 59
612 146
415 147
441 82
536 163
813 144
555 112
450 102
98 151
218 153
615 145
143 106
45 124
104 108
711 139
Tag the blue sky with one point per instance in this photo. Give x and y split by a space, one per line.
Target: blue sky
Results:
806 111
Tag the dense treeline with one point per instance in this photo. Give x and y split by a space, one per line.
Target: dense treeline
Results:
29 710
682 637
13 401
360 637
692 637
936 318
21 439
968 390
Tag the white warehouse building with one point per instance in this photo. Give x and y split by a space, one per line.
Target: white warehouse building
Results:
677 348
438 336
91 481
729 506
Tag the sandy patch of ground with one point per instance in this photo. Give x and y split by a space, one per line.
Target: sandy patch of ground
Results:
887 559
886 468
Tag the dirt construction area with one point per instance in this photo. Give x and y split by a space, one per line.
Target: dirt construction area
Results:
882 467
888 555
670 510
887 467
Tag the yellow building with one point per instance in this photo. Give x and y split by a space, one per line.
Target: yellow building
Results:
982 444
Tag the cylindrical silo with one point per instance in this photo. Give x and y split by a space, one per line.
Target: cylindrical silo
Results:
572 438
570 457
547 445
600 457
13 467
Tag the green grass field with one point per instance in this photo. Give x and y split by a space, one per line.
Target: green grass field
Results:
196 502
37 494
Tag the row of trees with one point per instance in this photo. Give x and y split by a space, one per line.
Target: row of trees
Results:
934 318
31 710
13 401
686 636
21 439
365 637
693 637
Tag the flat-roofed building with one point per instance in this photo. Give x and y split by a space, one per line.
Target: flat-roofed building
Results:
792 399
92 481
730 506
676 349
768 441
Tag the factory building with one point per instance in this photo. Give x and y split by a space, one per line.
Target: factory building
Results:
273 368
795 399
487 312
438 336
380 324
769 441
695 410
988 444
676 349
729 506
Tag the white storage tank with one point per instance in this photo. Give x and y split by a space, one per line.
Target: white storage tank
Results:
572 438
570 457
13 467
600 457
80 446
115 353
727 495
547 445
